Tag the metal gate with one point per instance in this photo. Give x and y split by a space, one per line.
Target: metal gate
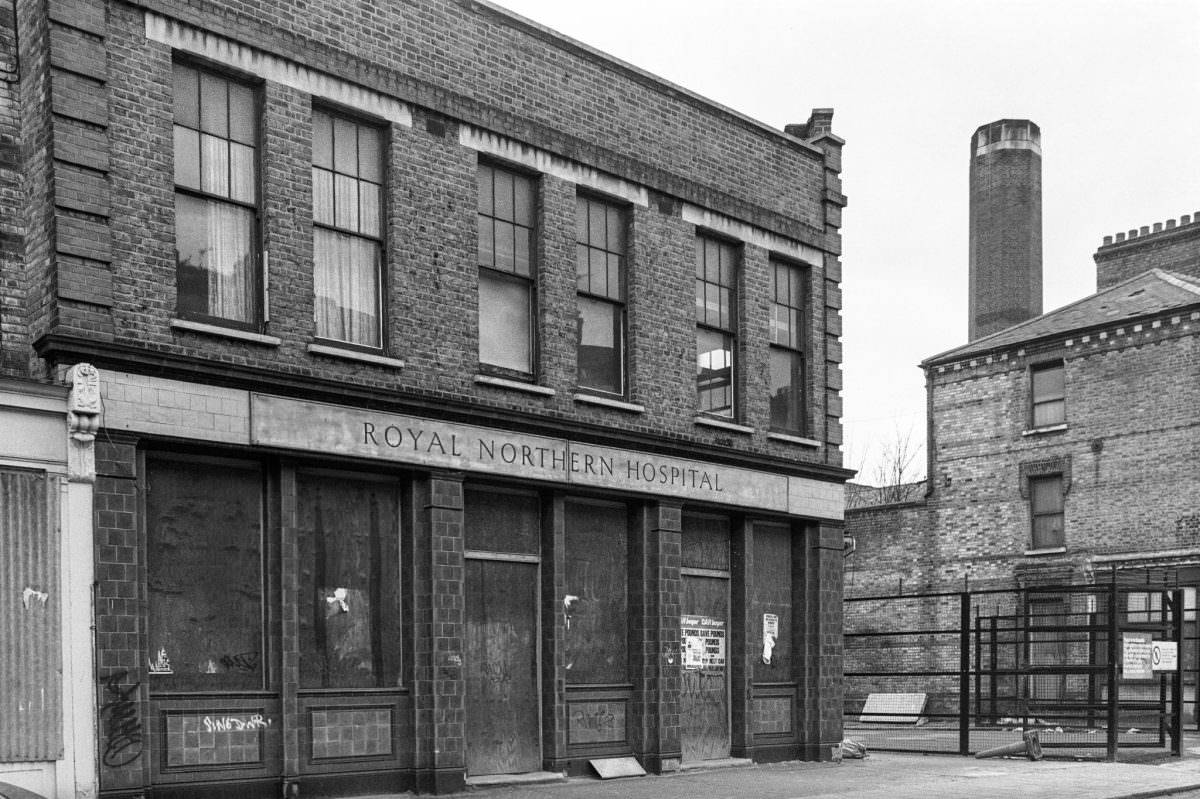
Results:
1096 669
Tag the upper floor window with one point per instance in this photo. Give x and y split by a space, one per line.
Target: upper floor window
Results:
347 229
716 325
600 280
788 345
1048 395
216 197
1046 508
506 270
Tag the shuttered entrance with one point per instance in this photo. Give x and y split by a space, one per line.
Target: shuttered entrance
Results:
704 625
500 650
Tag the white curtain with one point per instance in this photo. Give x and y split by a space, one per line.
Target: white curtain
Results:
230 262
345 275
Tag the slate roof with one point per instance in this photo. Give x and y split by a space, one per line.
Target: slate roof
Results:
1149 293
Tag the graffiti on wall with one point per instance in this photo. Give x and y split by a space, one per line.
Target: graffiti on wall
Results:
120 721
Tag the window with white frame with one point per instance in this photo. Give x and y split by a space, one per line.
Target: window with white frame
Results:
216 197
348 229
1048 394
788 344
507 270
600 282
1047 511
716 325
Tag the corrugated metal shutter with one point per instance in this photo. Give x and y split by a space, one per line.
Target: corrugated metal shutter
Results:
30 643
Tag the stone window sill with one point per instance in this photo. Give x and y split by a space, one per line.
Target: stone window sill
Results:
515 385
225 332
1037 431
712 421
790 439
609 402
355 355
1033 553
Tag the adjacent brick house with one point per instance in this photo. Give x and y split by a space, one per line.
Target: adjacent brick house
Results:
470 398
1061 447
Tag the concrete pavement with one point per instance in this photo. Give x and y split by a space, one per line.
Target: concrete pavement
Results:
886 775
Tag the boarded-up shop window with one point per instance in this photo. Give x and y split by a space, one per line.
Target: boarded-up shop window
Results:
596 600
348 534
772 603
204 521
502 522
706 542
30 636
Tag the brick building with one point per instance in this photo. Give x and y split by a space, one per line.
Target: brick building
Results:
1062 447
470 398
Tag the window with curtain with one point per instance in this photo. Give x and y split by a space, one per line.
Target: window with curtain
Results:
1046 506
788 343
600 282
1049 394
506 270
716 325
347 229
216 197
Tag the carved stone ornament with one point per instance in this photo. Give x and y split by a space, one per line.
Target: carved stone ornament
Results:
83 403
83 421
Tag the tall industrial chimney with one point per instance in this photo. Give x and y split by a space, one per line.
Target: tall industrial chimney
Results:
1006 226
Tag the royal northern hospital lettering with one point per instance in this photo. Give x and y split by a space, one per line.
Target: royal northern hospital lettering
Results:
564 459
315 427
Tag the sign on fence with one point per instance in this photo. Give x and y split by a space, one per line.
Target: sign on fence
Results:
1136 662
1164 656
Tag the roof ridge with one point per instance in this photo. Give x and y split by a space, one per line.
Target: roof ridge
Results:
1179 281
1007 335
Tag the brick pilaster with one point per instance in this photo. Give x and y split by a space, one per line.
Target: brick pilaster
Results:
554 673
439 689
121 692
655 592
742 651
820 623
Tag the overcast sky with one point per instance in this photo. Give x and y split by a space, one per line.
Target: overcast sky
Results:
1113 84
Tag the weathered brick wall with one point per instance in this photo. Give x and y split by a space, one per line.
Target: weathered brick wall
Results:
1126 451
12 228
482 65
1174 246
1127 455
106 259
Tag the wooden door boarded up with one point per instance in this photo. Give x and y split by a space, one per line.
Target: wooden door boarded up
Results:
704 689
502 730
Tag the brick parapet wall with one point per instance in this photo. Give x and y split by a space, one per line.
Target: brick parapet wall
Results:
1173 246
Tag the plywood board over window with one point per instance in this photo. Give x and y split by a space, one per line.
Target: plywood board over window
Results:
349 602
204 574
596 603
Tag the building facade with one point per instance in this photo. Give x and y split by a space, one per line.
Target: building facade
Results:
1061 448
470 398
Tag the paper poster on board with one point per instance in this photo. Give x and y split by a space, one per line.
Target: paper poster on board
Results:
702 640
